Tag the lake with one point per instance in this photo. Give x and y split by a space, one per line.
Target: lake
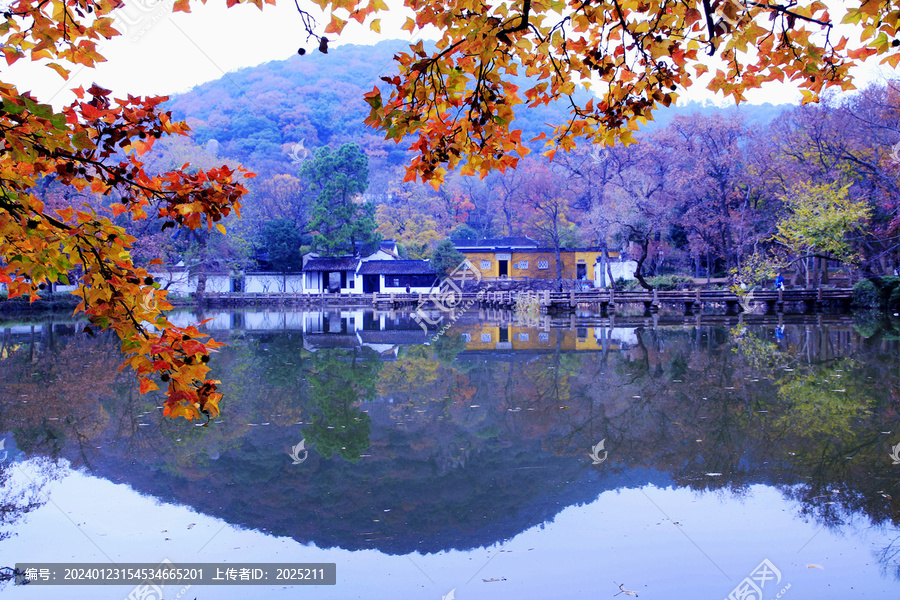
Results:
663 457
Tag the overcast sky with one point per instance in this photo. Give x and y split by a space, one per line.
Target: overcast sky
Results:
166 53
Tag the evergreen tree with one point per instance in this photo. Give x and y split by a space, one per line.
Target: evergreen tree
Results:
341 223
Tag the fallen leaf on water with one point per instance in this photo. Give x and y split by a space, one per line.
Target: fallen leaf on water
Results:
622 590
812 566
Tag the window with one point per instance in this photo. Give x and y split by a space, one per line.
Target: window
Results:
485 264
544 337
523 264
485 337
396 282
523 337
466 337
416 281
543 264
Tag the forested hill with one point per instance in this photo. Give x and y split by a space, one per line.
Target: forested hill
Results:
257 115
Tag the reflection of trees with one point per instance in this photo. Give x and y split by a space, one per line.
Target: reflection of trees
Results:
25 493
824 403
57 388
339 379
447 347
14 501
676 404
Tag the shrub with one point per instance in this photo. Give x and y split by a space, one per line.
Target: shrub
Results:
867 323
879 292
670 282
894 300
866 293
889 287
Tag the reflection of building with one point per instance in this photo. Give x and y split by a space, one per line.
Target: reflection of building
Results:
479 337
523 258
385 331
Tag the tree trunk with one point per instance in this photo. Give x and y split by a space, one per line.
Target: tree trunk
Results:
559 265
806 266
612 280
638 272
708 270
201 267
608 269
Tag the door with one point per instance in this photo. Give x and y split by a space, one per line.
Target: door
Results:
581 272
504 267
371 284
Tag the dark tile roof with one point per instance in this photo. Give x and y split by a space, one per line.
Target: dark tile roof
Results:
396 267
504 242
331 340
331 264
416 336
534 248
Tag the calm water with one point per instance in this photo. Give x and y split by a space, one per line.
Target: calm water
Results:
470 466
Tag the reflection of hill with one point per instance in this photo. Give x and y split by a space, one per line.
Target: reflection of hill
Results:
459 451
392 501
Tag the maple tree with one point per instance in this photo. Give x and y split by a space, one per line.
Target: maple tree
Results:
457 100
95 145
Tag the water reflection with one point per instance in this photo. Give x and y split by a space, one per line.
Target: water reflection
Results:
483 433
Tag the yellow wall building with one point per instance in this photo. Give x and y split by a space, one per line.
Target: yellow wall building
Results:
523 258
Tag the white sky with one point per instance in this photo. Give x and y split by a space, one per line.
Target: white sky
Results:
166 53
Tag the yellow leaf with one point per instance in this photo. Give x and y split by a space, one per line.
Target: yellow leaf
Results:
64 73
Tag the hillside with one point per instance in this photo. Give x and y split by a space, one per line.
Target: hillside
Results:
256 115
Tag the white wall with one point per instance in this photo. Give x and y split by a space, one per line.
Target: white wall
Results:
624 269
254 283
380 255
388 287
272 283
